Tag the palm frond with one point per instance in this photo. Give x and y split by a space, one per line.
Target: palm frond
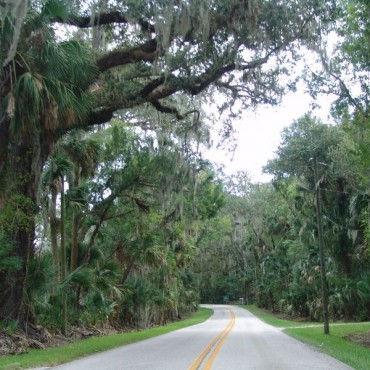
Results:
69 62
29 92
76 197
57 166
67 102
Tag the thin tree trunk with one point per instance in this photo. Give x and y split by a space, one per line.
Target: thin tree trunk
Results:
74 241
324 289
54 229
109 202
75 223
63 257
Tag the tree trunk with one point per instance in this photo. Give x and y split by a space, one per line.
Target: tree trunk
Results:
74 241
54 228
63 262
75 223
127 262
12 283
22 170
21 165
324 289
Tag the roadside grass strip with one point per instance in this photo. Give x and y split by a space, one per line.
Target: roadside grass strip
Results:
80 348
335 344
211 351
270 319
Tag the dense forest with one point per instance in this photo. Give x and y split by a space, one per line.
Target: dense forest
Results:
109 212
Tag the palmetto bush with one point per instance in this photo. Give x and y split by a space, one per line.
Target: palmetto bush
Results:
40 294
363 291
94 286
343 299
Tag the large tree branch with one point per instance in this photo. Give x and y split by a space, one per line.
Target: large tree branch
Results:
161 87
146 52
196 85
166 109
104 114
172 110
100 19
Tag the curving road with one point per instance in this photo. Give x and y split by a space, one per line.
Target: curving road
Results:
232 339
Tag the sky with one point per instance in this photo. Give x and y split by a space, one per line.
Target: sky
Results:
258 134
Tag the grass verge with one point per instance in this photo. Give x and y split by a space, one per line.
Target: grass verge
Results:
334 344
58 355
270 319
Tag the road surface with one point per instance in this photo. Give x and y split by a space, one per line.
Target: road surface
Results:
232 339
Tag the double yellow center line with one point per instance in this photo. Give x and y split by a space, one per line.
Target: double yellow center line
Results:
211 351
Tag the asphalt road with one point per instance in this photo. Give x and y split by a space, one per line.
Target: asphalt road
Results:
232 339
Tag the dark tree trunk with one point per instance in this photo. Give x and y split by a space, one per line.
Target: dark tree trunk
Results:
12 282
21 162
18 202
343 252
127 262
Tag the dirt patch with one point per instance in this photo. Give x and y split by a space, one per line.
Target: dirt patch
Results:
362 339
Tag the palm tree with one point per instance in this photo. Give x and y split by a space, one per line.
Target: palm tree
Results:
46 97
84 153
59 166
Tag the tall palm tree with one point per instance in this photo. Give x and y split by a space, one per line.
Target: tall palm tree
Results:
46 96
59 167
84 153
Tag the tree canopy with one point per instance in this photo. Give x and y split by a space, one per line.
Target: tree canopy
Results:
106 201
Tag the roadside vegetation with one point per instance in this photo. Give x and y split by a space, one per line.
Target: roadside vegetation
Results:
110 215
263 246
276 320
347 342
57 355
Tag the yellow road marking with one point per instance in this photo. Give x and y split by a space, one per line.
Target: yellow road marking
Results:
215 352
215 343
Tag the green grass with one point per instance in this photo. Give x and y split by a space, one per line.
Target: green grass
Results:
333 344
274 320
84 347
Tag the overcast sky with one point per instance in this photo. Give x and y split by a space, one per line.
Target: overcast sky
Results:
259 135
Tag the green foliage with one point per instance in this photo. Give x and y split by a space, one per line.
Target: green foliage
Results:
58 355
271 319
8 261
363 291
18 212
134 270
303 140
271 255
53 89
337 344
40 290
139 205
10 327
